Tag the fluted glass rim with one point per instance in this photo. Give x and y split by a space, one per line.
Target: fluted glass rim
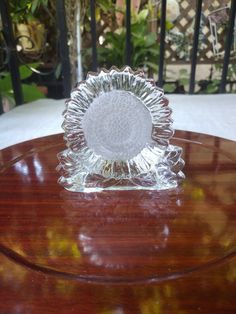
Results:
146 91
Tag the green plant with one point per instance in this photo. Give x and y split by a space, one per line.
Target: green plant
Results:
145 48
213 84
30 91
180 84
23 11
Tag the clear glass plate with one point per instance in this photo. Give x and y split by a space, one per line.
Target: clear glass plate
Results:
117 128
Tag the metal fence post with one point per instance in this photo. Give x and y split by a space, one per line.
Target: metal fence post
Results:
63 46
228 45
1 105
10 42
93 35
195 46
162 43
128 34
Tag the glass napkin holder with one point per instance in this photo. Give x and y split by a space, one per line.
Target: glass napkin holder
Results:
117 129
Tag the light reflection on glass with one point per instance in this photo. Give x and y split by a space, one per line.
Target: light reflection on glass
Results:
117 217
38 169
22 168
27 170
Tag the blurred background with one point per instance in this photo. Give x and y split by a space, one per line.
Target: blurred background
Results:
47 46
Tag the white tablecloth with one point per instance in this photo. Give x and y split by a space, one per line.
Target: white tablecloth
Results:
210 114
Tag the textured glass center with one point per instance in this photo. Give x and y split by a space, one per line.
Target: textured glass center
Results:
117 125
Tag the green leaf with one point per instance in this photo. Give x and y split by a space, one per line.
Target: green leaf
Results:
103 7
142 15
139 30
215 82
154 51
5 84
35 5
212 88
137 41
218 66
106 6
152 65
25 70
184 81
169 88
150 39
31 92
169 25
138 57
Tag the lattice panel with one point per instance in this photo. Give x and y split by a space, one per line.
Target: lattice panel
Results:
180 38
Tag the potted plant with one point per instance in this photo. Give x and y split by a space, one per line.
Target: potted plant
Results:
28 29
145 45
31 92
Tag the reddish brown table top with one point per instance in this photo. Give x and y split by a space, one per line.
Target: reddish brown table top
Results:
118 252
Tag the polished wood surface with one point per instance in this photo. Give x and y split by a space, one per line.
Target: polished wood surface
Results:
118 252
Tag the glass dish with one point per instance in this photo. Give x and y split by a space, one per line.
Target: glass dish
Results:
117 128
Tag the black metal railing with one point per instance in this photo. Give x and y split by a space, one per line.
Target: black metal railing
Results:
94 36
13 63
162 43
128 47
228 45
64 49
195 46
63 46
13 58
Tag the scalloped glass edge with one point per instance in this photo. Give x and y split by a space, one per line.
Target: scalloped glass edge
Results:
157 166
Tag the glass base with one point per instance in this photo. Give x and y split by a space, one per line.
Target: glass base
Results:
163 173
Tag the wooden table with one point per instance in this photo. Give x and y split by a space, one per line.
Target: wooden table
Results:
118 252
